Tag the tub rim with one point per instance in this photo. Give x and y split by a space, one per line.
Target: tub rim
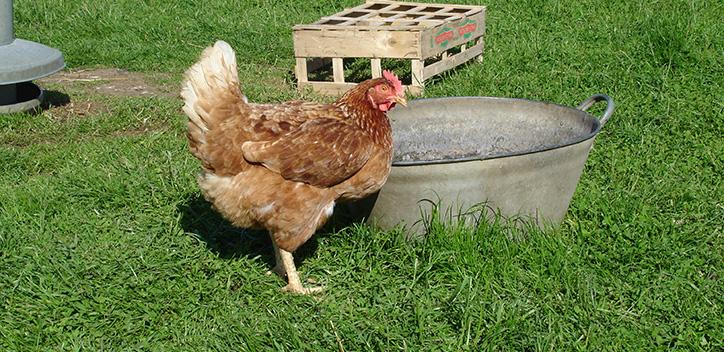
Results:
582 107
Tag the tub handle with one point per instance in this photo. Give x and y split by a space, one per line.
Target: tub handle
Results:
610 106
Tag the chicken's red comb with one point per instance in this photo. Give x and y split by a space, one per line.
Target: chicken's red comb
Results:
394 80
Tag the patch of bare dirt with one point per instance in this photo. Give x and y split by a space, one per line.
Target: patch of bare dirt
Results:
78 93
79 108
109 81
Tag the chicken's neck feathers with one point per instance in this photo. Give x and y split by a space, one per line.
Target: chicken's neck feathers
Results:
356 108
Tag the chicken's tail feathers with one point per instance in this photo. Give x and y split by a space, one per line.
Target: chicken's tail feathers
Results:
211 93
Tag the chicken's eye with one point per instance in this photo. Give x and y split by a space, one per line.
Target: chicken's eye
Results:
383 88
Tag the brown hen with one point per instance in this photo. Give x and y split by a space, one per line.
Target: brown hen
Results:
282 167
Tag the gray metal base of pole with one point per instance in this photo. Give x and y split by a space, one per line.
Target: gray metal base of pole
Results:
22 61
19 97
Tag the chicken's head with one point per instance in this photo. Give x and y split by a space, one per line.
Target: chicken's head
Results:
387 93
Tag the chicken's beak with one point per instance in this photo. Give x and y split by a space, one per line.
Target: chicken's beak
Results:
400 100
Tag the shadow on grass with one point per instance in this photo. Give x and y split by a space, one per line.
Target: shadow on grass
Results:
54 98
199 219
51 98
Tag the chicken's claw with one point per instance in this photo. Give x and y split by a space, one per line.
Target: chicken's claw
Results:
299 289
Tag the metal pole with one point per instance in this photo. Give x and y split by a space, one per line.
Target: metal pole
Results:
7 35
9 92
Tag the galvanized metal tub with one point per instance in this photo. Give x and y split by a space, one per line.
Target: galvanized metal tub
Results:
520 158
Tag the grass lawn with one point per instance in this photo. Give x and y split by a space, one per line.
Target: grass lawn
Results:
105 243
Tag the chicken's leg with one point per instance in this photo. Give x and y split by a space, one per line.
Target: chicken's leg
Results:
278 267
294 284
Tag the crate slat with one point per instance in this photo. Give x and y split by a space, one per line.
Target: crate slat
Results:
376 67
420 4
451 34
301 69
454 60
397 44
338 69
332 88
418 73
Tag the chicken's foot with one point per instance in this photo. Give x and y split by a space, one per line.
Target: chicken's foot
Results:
294 285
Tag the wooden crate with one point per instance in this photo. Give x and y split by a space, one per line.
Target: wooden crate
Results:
434 37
